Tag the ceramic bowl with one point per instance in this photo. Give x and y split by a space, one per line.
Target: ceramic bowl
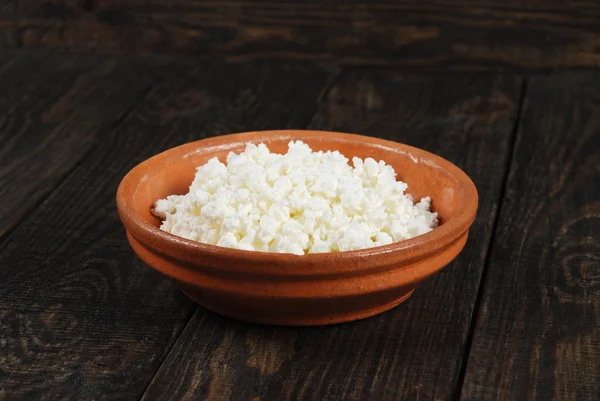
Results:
285 289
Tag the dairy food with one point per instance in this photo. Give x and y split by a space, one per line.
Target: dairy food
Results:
300 202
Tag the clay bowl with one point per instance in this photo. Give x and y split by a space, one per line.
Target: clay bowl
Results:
285 289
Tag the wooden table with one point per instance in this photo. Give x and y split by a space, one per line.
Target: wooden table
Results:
515 316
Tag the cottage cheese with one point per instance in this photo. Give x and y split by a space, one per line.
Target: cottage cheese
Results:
301 202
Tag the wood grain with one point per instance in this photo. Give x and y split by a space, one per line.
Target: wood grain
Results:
439 34
81 316
53 109
412 352
538 330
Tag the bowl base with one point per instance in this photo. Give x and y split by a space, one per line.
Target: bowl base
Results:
289 320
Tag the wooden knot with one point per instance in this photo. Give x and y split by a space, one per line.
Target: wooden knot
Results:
577 253
185 105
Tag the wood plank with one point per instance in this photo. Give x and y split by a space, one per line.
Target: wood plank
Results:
52 110
412 352
441 34
9 37
538 329
81 316
8 57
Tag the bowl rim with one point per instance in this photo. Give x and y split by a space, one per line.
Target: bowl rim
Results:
189 250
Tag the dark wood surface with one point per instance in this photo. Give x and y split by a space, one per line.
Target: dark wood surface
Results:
8 24
412 352
53 109
538 328
82 318
485 34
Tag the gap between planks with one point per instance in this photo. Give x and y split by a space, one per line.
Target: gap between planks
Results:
479 297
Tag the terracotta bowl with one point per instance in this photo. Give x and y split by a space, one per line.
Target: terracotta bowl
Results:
286 289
